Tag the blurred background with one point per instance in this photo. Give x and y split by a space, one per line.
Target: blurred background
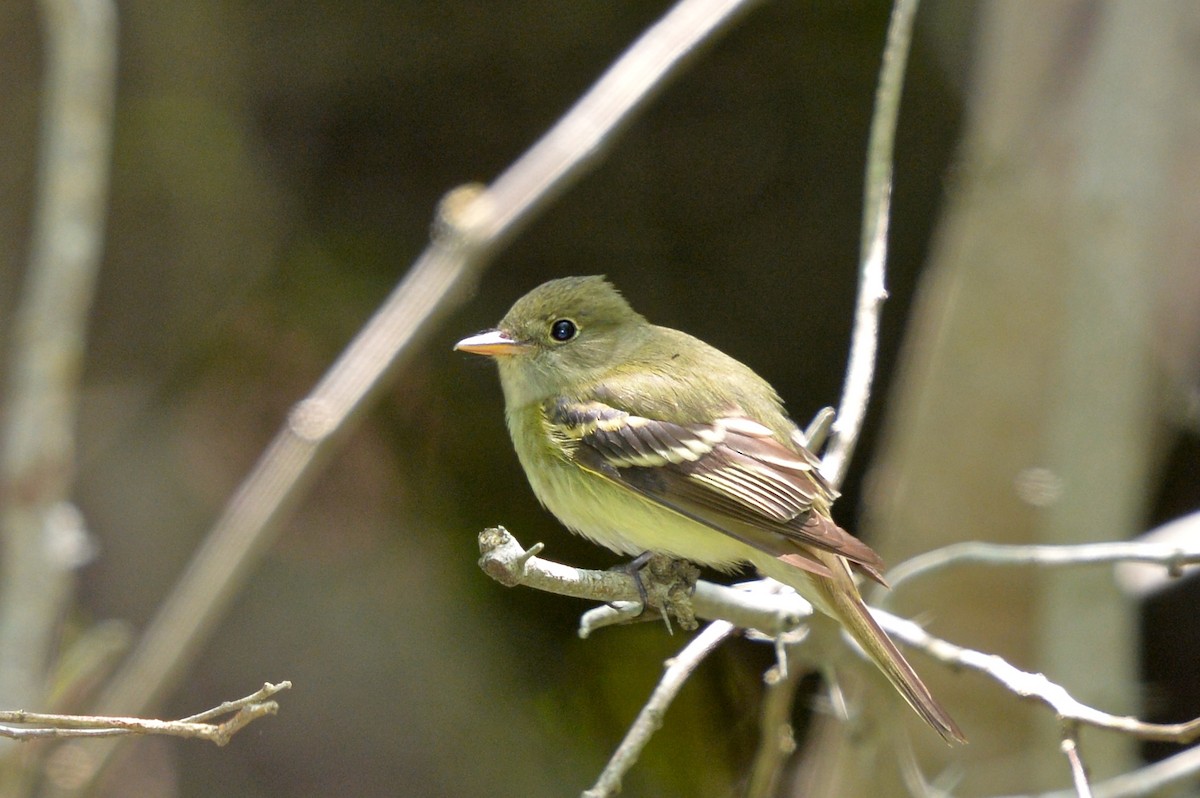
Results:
276 168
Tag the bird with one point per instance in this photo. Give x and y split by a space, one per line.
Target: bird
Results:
646 440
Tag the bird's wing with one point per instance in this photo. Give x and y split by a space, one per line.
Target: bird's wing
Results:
731 475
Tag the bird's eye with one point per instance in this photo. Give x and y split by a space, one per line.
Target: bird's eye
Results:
563 330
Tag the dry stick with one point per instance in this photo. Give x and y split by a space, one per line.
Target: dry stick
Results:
1033 686
751 606
767 611
1145 781
679 669
747 607
860 370
244 711
1139 580
43 537
872 292
473 224
1070 749
1171 557
777 740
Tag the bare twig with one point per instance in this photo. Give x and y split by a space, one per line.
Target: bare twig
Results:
1033 686
42 536
679 668
243 711
1140 580
872 292
1070 749
813 436
1145 781
754 606
1171 557
472 225
777 740
860 370
760 605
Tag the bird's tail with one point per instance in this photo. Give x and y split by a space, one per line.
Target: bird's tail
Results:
839 598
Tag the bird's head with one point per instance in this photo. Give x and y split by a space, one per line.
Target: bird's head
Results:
563 333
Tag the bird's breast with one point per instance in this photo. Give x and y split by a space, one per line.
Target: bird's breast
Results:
607 512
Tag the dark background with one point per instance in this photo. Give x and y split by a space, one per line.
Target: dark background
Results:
276 169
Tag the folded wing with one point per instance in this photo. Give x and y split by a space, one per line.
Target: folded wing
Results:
731 475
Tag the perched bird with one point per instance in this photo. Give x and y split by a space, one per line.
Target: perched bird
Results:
646 439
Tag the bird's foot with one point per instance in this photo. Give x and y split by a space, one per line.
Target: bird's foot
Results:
665 585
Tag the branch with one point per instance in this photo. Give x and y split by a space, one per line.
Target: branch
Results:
1070 749
761 605
777 738
472 225
860 370
244 711
43 535
1145 781
679 668
1139 580
872 292
1171 557
1033 686
755 605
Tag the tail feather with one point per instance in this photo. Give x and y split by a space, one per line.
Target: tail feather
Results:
839 598
854 616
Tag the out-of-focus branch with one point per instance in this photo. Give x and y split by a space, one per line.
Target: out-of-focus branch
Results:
1070 749
1145 781
473 223
43 536
242 712
1140 580
777 739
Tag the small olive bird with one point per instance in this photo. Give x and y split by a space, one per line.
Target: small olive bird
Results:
644 439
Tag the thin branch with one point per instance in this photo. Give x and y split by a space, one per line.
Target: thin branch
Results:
1033 686
679 668
1171 557
508 562
473 223
813 436
244 711
860 370
759 605
1070 749
1150 780
43 535
872 292
1139 580
777 739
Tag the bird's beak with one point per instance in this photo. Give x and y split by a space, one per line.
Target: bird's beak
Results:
493 343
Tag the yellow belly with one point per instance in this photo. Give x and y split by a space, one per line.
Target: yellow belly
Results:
618 518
